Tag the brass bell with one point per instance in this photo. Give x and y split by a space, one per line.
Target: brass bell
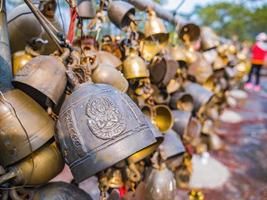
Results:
162 70
22 27
189 33
172 145
149 150
134 66
14 144
193 130
121 13
182 101
19 59
160 115
200 94
160 185
86 9
60 190
209 39
106 58
177 53
201 69
155 29
160 96
111 76
181 121
98 126
43 78
149 49
30 171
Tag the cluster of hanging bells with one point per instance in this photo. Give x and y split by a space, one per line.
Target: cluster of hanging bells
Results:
125 110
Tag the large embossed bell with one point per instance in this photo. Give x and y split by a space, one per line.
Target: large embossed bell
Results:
121 13
96 128
182 101
160 184
160 115
155 29
200 94
162 70
33 170
189 33
60 190
150 149
86 9
43 78
22 27
14 144
111 76
19 59
209 39
134 66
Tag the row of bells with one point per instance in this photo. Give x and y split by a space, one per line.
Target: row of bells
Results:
97 125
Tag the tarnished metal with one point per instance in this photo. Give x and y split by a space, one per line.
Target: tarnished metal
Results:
181 121
19 59
134 67
96 129
60 190
172 145
200 94
149 150
121 13
162 70
86 9
106 58
149 49
209 39
14 144
160 96
160 185
5 57
189 32
43 78
109 75
182 101
193 130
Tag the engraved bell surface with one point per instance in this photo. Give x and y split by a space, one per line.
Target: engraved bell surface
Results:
99 126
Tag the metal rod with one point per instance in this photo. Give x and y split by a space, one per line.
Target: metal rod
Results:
5 57
6 177
162 13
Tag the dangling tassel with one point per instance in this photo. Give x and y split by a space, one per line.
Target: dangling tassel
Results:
73 16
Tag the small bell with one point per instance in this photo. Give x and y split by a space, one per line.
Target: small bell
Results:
19 59
209 39
182 101
86 9
189 33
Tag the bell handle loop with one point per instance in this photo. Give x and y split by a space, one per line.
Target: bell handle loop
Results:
6 177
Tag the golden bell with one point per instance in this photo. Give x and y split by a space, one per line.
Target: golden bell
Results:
43 78
160 185
149 49
19 59
209 39
60 190
33 170
106 58
200 69
150 149
14 144
177 53
111 76
182 101
119 13
160 115
86 9
189 33
134 67
155 29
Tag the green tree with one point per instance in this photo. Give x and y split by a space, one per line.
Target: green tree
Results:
230 19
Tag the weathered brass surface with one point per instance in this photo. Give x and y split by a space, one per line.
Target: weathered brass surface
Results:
182 101
181 121
189 32
135 67
177 53
43 78
121 13
13 140
60 191
86 9
40 167
109 75
99 126
106 58
19 59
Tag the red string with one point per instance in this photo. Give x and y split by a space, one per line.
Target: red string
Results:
122 191
73 16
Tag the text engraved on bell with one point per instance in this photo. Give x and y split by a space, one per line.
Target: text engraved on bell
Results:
73 134
105 120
